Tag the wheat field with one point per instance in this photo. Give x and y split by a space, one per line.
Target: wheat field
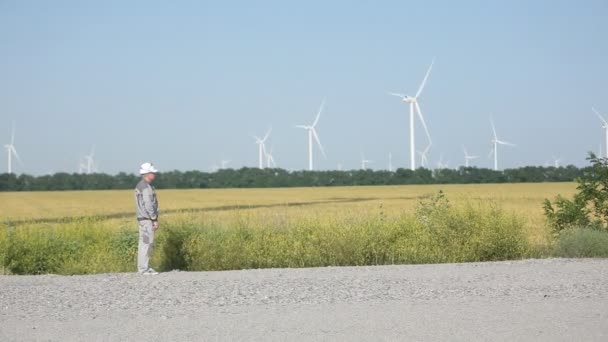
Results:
95 231
44 208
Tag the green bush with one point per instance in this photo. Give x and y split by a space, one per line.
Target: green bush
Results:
589 207
582 243
580 225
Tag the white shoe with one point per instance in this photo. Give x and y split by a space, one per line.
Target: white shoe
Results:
150 271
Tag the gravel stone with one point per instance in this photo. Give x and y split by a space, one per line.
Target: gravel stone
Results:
549 299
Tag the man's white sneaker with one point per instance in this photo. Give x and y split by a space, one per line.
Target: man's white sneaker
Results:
150 271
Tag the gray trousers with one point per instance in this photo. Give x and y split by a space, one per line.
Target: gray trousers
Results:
146 244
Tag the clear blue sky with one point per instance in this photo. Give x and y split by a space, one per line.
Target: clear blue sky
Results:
186 84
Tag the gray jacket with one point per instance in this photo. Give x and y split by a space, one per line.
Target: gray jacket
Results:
145 201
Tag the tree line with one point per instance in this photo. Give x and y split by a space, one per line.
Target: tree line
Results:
273 178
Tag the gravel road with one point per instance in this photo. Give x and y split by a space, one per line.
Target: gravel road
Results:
554 299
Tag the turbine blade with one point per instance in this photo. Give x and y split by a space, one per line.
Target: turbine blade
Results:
397 94
13 133
314 133
428 72
428 147
505 143
493 128
426 130
599 116
267 134
314 124
14 152
301 126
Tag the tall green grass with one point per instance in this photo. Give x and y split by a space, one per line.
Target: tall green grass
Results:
582 243
438 232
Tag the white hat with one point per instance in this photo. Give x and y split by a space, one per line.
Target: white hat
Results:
147 168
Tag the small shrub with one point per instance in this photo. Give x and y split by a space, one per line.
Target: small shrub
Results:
566 213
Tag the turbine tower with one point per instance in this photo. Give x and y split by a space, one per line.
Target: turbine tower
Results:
415 108
605 127
11 151
312 134
224 163
262 148
390 162
495 142
467 157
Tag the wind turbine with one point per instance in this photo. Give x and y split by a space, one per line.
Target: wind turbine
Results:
11 151
89 159
262 148
270 159
467 157
604 126
312 134
81 166
556 162
424 161
440 164
364 162
495 142
390 162
415 108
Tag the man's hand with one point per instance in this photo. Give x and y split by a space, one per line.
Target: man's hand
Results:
155 225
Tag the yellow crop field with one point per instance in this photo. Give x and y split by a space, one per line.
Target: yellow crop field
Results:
523 199
276 227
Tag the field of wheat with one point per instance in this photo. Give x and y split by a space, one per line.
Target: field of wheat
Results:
244 228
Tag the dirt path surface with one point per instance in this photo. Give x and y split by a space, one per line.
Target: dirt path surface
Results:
555 299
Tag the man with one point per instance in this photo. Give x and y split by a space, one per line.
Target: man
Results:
147 217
